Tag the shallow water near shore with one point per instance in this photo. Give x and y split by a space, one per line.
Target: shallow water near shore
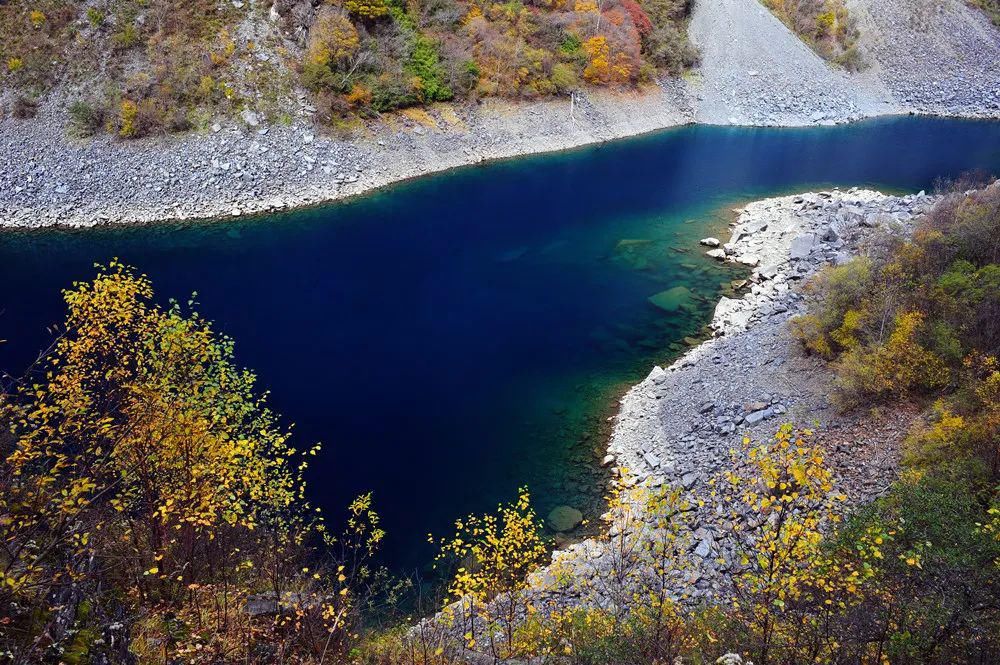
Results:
451 338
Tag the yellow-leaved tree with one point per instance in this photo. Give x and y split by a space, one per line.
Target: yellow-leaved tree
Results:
790 588
628 608
493 555
143 477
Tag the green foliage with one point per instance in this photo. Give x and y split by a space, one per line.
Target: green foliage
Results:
85 118
425 65
829 328
95 17
990 7
906 322
938 575
126 37
564 77
571 45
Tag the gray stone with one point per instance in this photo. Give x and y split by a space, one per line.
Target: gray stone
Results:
673 299
802 246
260 604
250 117
652 460
757 417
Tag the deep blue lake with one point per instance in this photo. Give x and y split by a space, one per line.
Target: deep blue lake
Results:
451 338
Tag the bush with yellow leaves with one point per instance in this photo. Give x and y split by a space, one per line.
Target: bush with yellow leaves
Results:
788 588
147 493
492 555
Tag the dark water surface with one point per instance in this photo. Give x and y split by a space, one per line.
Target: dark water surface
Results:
454 337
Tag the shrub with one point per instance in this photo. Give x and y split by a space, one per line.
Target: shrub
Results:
331 51
904 320
492 556
24 107
85 119
827 27
564 77
425 65
95 17
831 323
367 9
938 574
898 368
128 119
126 37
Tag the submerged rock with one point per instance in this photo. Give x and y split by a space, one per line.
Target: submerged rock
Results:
631 244
673 299
564 518
634 252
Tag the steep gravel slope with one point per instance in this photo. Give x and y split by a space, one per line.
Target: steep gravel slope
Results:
754 70
936 56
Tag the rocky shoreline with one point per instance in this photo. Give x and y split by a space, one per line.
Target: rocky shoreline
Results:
238 170
679 426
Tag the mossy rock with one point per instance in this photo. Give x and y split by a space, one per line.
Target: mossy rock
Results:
673 299
564 518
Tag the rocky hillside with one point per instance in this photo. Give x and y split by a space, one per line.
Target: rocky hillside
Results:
137 68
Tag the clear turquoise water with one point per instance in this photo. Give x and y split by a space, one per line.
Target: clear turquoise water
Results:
451 338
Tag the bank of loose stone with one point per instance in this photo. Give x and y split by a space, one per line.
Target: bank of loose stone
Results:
679 425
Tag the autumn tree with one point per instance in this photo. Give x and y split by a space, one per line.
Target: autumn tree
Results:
492 556
788 588
333 51
367 9
147 490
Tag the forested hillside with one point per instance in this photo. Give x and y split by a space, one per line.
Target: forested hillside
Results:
136 67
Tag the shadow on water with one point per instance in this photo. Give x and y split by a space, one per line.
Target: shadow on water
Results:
454 337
